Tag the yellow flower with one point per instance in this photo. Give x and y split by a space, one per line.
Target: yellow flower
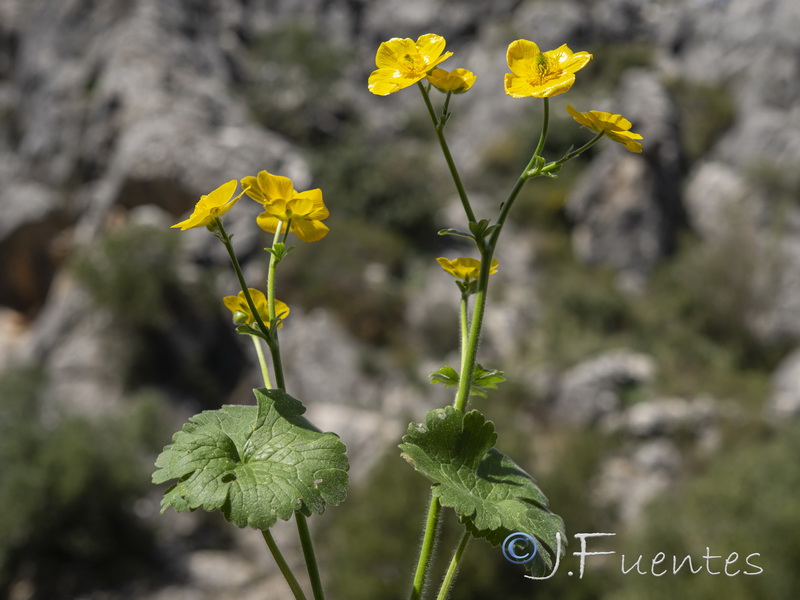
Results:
541 74
303 211
403 62
211 206
613 126
239 304
465 268
457 81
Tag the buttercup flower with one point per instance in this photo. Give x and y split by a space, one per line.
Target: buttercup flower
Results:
613 126
239 304
303 211
465 269
211 206
403 62
541 74
457 81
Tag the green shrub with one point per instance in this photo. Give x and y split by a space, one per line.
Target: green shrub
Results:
68 490
745 502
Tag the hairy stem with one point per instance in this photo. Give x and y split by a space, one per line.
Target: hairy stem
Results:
283 565
274 345
450 576
262 362
309 555
426 550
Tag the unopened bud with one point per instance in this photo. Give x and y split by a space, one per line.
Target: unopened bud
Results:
241 318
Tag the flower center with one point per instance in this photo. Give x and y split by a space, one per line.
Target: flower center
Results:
412 65
542 66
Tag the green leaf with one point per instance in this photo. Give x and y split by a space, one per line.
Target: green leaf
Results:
456 232
489 492
447 376
255 464
279 251
482 379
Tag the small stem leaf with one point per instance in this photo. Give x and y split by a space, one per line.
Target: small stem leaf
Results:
457 232
482 379
255 464
447 376
492 496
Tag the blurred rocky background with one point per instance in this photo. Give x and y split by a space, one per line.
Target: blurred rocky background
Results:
646 311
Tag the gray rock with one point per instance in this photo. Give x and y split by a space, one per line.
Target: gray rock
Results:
626 207
669 417
627 483
784 401
30 246
591 390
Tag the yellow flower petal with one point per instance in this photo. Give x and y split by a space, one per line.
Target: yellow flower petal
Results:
456 81
309 230
275 187
430 46
239 303
267 222
250 186
465 269
521 58
312 204
211 206
613 126
539 74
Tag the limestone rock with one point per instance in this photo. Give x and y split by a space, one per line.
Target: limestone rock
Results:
591 390
626 207
784 401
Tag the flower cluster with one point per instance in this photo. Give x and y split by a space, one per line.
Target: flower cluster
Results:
403 62
302 212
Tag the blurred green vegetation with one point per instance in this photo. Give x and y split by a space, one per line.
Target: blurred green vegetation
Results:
175 331
692 318
707 110
68 492
744 502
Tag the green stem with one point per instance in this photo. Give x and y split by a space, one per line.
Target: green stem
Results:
262 361
283 565
545 126
426 551
271 276
487 252
470 349
554 166
308 553
438 126
226 240
450 576
274 344
464 330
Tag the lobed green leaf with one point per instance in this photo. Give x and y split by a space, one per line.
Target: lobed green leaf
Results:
255 464
492 496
